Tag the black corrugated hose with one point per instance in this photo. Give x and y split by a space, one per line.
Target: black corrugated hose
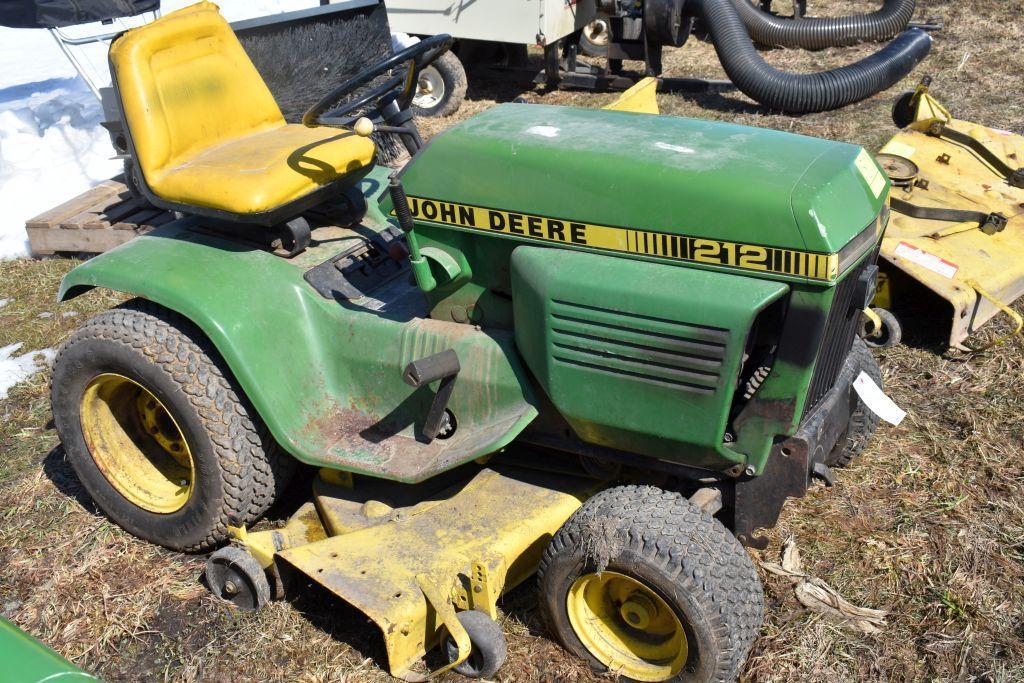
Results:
816 33
804 93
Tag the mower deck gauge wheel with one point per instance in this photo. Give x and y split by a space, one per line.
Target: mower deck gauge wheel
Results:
903 109
234 575
890 334
488 642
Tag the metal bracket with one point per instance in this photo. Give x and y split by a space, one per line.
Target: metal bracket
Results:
480 591
874 319
292 239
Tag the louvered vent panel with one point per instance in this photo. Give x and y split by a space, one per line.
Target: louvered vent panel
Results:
675 353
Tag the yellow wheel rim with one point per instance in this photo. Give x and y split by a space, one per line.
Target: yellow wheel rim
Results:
137 444
628 627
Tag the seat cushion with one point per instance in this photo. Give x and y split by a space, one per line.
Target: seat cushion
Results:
262 171
186 84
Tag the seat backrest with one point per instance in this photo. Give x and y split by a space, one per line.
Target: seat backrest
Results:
186 84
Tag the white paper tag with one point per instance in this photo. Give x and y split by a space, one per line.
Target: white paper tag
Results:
876 400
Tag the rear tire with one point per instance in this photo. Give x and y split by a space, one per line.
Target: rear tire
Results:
236 470
442 87
649 570
863 423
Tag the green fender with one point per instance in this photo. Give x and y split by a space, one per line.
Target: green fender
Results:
325 375
28 661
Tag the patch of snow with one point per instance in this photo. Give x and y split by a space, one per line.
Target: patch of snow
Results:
15 369
401 41
52 147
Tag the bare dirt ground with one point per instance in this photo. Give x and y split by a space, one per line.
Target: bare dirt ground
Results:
929 523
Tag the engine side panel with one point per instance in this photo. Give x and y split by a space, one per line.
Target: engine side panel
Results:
637 356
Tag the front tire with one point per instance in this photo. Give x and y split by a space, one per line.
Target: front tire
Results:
158 432
643 583
863 422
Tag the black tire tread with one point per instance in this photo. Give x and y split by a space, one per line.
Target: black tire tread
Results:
705 559
253 469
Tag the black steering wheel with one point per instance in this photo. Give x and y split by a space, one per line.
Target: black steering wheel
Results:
401 87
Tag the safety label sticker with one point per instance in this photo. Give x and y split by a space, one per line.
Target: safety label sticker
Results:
806 264
870 172
924 259
876 400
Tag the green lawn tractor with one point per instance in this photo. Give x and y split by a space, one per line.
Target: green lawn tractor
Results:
600 346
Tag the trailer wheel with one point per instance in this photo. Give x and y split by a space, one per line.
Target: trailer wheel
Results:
595 36
441 87
158 432
489 646
863 422
643 583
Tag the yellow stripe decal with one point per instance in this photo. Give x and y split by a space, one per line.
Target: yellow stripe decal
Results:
714 252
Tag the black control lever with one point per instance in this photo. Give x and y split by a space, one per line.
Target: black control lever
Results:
442 366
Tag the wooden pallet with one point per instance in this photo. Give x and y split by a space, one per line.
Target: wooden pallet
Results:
93 222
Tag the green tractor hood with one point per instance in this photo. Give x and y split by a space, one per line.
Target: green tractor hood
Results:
659 173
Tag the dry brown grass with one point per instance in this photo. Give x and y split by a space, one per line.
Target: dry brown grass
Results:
929 523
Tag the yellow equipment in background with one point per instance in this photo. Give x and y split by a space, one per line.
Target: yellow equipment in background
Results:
639 99
956 225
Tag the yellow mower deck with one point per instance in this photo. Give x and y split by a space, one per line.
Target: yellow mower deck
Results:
409 556
979 274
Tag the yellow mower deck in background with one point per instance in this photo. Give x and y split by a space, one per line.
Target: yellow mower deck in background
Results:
956 225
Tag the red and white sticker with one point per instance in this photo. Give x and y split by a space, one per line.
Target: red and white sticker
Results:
922 258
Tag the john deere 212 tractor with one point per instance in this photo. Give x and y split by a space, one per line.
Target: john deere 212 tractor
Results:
599 346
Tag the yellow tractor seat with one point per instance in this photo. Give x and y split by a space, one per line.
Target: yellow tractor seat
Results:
205 133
